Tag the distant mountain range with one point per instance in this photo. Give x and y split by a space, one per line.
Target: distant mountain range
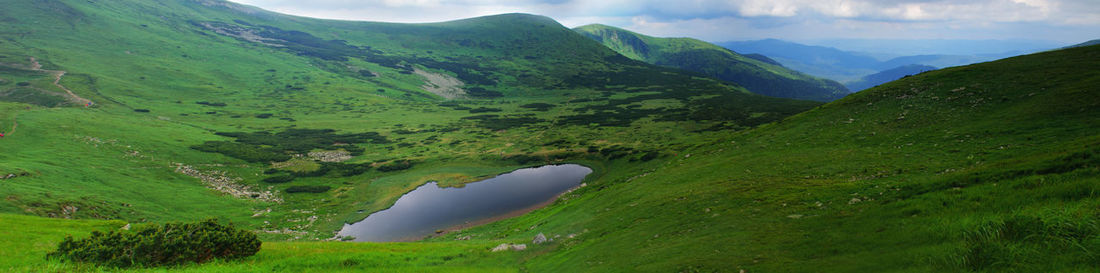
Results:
757 73
887 76
1089 43
851 66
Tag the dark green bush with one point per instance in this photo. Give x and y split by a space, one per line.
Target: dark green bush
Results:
395 166
160 245
484 110
246 152
309 189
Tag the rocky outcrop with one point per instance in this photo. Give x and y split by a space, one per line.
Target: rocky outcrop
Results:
330 156
513 247
539 239
219 181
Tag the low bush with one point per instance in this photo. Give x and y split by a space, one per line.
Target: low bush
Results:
161 245
395 166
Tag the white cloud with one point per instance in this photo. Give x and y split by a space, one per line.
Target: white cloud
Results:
730 19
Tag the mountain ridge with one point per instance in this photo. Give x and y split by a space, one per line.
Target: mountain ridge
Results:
759 76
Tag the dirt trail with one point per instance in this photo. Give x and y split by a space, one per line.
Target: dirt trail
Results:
57 74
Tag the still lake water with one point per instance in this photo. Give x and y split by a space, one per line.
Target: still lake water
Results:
428 208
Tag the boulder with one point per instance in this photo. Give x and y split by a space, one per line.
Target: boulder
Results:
539 239
501 247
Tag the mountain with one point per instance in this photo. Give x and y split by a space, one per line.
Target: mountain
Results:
826 62
292 127
989 167
935 60
1089 43
959 47
157 111
847 66
757 74
887 76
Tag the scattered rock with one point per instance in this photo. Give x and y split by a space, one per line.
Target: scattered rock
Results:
126 227
463 238
330 156
513 247
539 239
794 216
219 181
854 200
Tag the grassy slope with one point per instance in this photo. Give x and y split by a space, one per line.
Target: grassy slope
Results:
111 162
951 197
885 76
916 175
711 60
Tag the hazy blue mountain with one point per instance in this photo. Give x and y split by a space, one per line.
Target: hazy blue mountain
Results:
819 61
885 76
907 47
851 65
1089 43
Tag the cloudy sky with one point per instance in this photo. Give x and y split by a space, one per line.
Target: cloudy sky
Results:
1064 21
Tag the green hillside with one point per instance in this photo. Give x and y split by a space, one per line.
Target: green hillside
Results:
991 167
754 73
180 110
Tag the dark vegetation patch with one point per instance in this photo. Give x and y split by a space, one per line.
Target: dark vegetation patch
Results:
151 245
215 104
484 110
307 189
265 147
395 166
306 44
264 115
478 92
335 169
705 100
243 151
141 110
539 106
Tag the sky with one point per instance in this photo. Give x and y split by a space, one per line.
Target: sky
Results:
807 21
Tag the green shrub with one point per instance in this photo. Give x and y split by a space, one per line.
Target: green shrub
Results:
246 152
395 166
160 245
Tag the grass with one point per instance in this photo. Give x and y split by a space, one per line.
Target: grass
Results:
988 167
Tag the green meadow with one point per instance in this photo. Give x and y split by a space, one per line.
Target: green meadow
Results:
292 127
